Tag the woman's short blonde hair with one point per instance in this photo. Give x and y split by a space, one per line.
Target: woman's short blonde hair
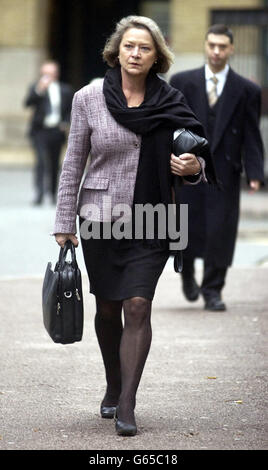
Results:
111 49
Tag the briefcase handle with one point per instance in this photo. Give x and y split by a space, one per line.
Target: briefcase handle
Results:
64 251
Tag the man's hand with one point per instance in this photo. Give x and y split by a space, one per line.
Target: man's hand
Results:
43 83
254 186
184 165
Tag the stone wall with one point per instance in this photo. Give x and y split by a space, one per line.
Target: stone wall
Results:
23 30
189 21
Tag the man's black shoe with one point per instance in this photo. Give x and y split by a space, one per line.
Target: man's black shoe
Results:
215 304
38 201
190 289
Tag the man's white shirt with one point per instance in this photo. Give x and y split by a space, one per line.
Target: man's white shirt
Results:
53 119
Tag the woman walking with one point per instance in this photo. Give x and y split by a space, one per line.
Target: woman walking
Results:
127 124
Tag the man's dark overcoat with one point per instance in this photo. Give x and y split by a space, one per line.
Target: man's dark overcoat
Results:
41 106
236 145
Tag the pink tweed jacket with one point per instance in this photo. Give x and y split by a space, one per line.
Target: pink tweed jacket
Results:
114 156
111 174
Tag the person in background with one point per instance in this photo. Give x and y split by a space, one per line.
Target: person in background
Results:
51 101
127 123
228 105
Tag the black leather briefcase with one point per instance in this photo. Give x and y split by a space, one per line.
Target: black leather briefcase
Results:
62 299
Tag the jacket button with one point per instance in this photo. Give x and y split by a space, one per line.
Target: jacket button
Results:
234 131
227 157
136 144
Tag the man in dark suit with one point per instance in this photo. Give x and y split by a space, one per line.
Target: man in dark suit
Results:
51 101
228 106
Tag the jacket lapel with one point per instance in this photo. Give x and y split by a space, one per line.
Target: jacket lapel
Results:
229 98
62 100
200 98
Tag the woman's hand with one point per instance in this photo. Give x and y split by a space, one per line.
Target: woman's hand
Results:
61 239
184 165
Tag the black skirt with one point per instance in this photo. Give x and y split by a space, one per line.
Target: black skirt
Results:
121 269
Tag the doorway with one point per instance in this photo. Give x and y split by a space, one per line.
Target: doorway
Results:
78 30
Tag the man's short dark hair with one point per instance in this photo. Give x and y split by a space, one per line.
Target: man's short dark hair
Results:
220 29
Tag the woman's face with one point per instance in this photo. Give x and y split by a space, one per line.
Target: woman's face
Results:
137 52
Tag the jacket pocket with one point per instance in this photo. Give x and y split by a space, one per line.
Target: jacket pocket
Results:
96 182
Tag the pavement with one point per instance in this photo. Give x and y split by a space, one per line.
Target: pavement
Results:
204 386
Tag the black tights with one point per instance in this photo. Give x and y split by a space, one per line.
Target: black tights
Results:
124 349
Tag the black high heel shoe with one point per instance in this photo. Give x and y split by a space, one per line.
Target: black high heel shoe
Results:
124 429
107 412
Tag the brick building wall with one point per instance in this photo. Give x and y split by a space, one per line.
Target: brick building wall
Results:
189 21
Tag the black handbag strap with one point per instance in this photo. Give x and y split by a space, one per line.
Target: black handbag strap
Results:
178 262
64 251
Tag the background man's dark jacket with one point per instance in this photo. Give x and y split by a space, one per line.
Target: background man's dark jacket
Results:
41 105
235 144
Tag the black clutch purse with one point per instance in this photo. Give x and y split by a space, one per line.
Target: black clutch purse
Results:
62 299
186 142
189 142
